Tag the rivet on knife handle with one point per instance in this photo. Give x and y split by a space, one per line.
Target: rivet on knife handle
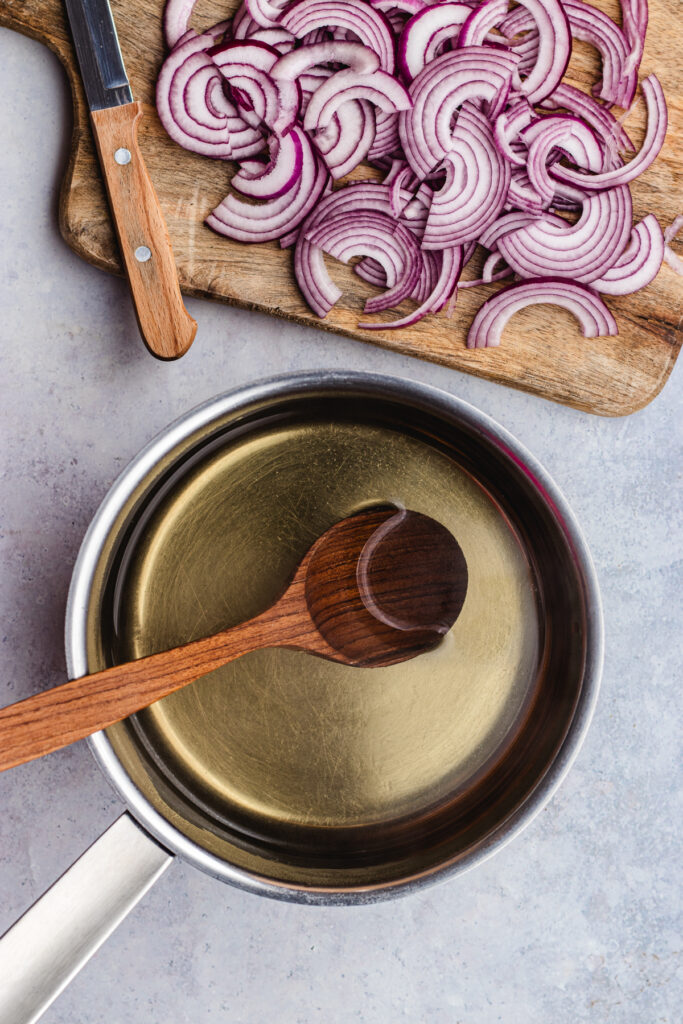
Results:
166 327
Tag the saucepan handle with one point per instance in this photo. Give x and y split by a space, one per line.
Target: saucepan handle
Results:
42 952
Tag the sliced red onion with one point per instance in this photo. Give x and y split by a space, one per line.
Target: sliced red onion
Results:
316 286
672 230
673 260
604 124
593 315
356 56
176 20
401 183
508 126
404 6
248 223
425 32
190 34
438 92
371 271
480 22
566 134
489 273
386 141
315 283
309 81
265 13
477 182
553 50
378 88
592 26
634 16
269 181
345 141
510 222
246 66
396 169
639 263
380 236
467 156
523 196
583 251
279 38
368 24
444 287
654 139
202 127
243 23
426 286
527 51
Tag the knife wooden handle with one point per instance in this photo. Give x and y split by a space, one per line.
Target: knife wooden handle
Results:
54 718
167 328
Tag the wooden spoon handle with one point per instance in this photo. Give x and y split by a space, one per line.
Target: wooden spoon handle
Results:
57 717
167 328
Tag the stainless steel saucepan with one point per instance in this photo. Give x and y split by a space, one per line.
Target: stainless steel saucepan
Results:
280 773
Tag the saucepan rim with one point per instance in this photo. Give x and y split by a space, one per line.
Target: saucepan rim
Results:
297 385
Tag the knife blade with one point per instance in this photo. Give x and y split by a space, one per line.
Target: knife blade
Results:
167 328
99 54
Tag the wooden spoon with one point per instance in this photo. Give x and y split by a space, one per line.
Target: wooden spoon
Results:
377 588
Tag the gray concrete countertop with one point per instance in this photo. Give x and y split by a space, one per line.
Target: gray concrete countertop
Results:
576 920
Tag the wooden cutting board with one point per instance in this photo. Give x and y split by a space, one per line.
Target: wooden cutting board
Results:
542 350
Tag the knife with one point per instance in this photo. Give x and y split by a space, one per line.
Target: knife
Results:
167 328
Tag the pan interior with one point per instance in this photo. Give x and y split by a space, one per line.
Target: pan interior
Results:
288 766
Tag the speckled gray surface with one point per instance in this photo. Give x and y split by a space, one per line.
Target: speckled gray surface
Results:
577 920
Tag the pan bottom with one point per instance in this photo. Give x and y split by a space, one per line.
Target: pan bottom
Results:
307 773
280 747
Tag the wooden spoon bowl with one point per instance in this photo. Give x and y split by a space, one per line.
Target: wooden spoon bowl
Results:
383 586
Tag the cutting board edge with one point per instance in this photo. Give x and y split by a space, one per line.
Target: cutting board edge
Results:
612 406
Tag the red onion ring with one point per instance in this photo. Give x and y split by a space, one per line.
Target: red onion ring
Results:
440 90
371 26
378 88
386 141
593 315
582 252
554 48
425 31
378 235
176 20
444 287
638 264
653 142
345 141
476 186
269 181
265 13
270 220
356 56
246 66
480 22
634 15
201 127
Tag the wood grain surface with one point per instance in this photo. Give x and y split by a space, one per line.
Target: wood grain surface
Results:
542 350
